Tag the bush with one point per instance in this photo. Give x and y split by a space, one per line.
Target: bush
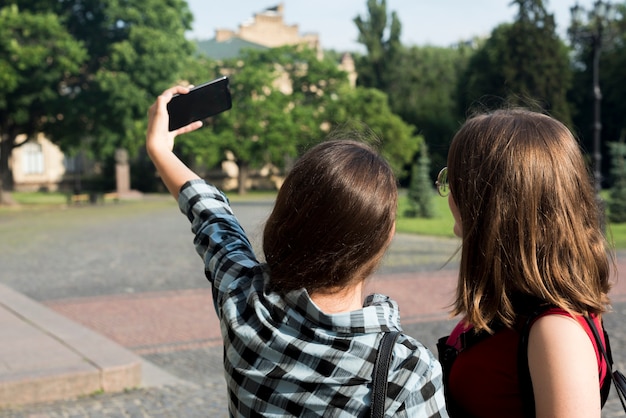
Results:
421 188
617 200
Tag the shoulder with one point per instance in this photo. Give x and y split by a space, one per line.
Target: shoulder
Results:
558 337
414 364
409 346
415 380
563 367
558 329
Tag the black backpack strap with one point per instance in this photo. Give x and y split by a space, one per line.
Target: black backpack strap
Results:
381 374
605 350
447 355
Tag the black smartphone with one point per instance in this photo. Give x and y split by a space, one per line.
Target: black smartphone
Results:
202 101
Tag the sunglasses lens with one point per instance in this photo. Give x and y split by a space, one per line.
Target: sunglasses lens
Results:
442 182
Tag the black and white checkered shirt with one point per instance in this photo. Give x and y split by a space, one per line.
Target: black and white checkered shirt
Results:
285 357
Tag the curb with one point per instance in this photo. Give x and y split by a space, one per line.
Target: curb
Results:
47 357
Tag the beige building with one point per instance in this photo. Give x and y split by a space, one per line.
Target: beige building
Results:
268 28
38 164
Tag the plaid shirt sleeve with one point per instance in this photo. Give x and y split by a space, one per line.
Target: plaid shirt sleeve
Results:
219 238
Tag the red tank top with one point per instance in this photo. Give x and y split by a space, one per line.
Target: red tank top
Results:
483 379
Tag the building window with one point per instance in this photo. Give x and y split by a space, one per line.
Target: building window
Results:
72 164
32 158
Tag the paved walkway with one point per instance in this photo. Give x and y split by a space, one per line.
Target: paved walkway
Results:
144 342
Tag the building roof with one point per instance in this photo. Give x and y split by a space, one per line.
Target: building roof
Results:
230 48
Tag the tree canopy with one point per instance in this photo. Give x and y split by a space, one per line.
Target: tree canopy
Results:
380 34
38 60
521 63
119 56
370 107
83 72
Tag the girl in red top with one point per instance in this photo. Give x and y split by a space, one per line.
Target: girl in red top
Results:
526 210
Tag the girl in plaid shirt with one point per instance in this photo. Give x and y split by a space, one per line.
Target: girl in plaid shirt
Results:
298 338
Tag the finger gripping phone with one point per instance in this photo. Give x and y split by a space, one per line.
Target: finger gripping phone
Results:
201 102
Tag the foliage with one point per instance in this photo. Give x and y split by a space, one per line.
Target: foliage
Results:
38 59
287 99
375 68
617 201
84 72
424 93
420 193
611 82
523 63
258 128
421 82
135 50
281 99
398 140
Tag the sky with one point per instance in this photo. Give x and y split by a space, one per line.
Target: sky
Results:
424 22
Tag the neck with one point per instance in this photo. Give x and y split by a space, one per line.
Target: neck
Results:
339 301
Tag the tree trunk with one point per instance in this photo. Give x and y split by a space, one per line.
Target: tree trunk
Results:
6 199
242 177
6 176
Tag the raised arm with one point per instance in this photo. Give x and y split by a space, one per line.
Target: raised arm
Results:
160 143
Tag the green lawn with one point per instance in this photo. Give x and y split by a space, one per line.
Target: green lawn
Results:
39 198
617 234
440 225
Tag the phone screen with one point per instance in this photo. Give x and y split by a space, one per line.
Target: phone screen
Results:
201 102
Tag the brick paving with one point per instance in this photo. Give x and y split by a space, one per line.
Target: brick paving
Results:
151 321
185 319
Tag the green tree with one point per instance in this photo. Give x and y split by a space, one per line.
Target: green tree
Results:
612 60
316 83
136 49
381 39
286 100
278 107
38 60
370 107
420 82
524 62
420 193
257 128
617 201
424 94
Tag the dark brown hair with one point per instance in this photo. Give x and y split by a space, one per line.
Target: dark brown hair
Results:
332 220
530 218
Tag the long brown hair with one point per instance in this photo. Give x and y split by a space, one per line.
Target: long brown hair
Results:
332 219
531 224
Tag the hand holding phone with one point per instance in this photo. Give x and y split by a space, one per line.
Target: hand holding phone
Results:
201 102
